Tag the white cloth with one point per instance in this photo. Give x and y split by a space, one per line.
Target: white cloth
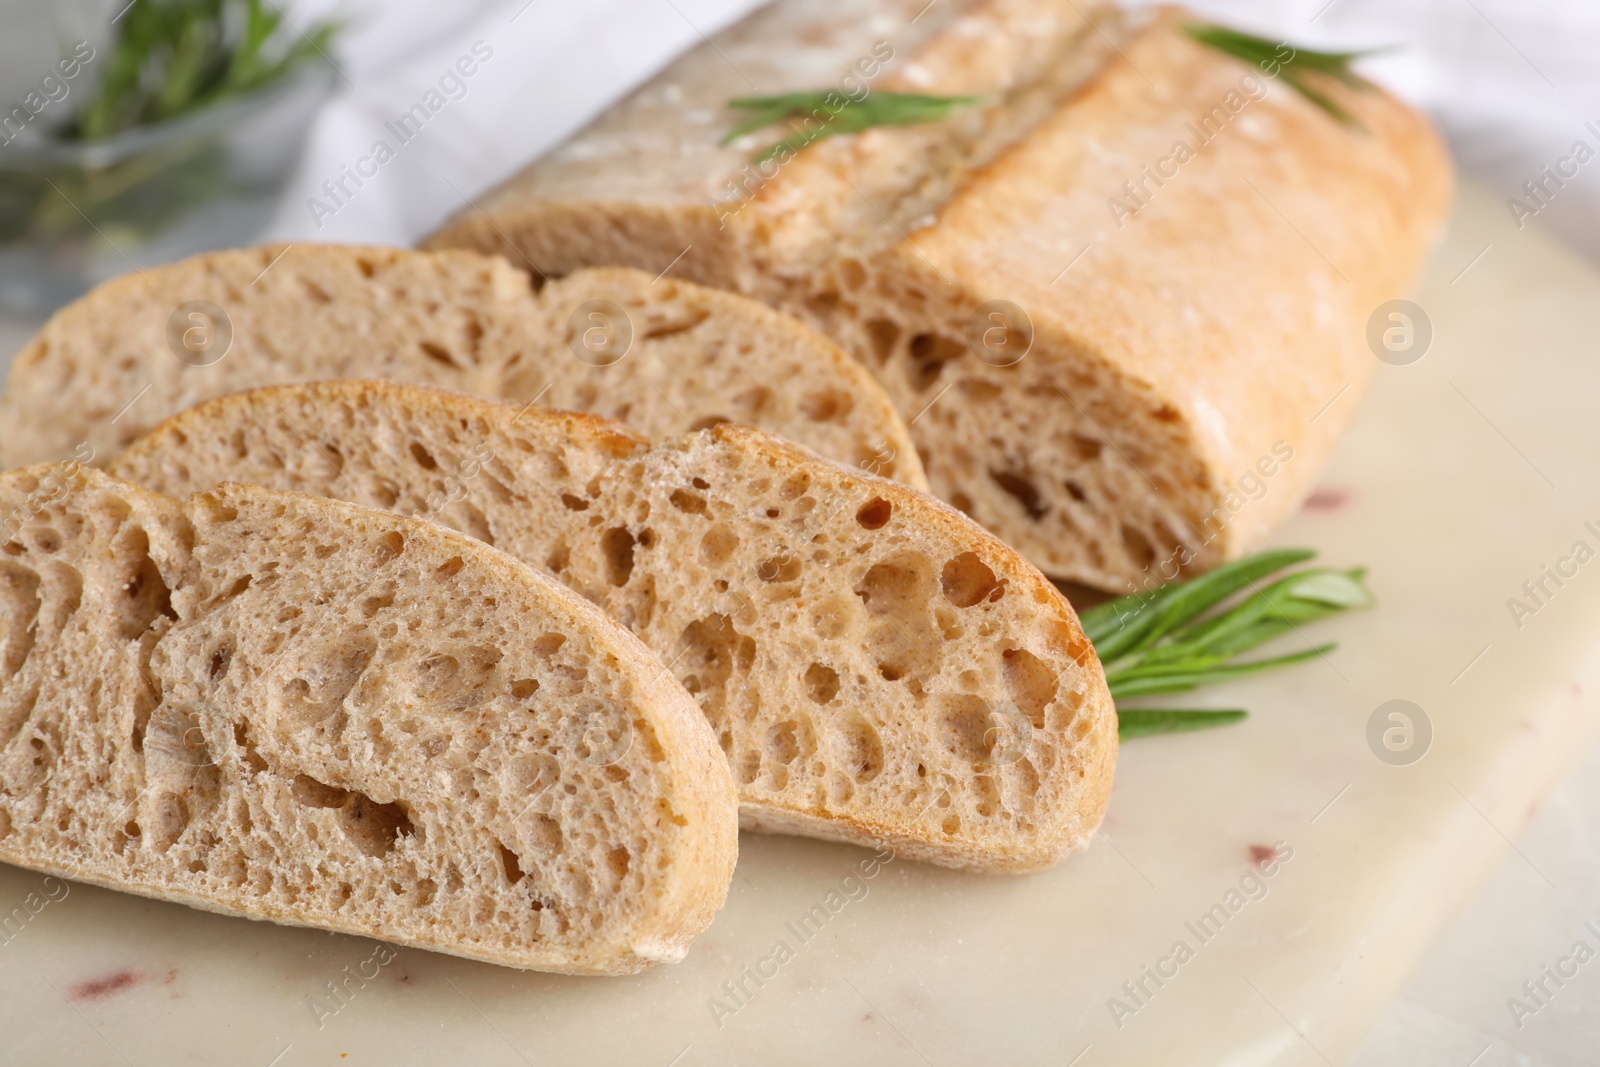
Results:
1511 83
552 66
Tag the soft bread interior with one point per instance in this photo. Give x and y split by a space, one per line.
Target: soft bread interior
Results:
662 354
875 665
700 357
294 709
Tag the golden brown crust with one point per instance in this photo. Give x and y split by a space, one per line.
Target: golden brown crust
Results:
168 437
1257 233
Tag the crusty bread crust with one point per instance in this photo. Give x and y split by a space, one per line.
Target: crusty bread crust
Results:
289 708
111 365
877 668
1197 330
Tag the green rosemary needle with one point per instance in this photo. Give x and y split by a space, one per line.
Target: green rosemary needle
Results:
1143 722
173 57
1290 63
827 112
1181 636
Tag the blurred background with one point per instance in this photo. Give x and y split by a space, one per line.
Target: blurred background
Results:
136 133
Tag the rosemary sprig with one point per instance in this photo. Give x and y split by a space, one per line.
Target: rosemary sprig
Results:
1267 54
828 112
1143 722
172 57
1182 636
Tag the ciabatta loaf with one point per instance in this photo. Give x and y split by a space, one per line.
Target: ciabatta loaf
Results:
665 356
288 708
1123 299
877 667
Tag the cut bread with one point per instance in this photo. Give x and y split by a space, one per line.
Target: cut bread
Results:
288 708
877 667
663 355
1115 299
704 356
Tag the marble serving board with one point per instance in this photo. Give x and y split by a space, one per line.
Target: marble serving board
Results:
1256 893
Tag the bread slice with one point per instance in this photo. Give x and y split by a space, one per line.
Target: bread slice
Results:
1129 359
877 667
704 356
663 355
288 708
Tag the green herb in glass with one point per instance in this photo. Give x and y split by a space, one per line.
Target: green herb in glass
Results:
173 57
1291 63
169 59
831 112
1182 636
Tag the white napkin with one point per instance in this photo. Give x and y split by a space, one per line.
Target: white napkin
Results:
541 69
